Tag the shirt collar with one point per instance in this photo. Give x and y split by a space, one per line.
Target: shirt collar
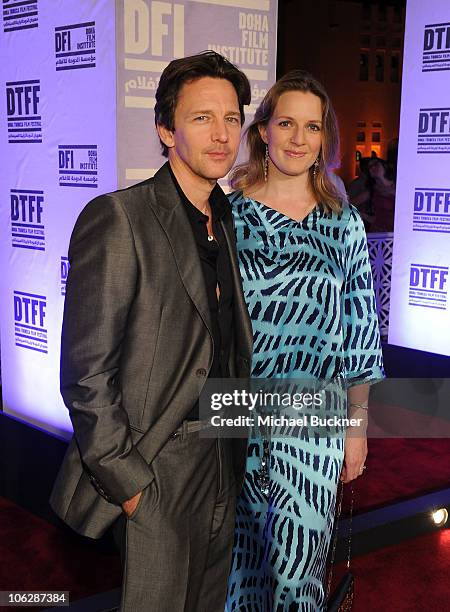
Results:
217 199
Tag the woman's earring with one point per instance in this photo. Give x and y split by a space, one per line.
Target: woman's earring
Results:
315 167
266 164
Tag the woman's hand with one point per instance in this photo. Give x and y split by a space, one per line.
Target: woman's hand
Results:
355 450
355 454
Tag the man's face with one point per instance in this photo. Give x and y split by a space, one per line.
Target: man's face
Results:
205 141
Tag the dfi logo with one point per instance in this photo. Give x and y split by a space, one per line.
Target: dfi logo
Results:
64 268
65 159
146 27
62 41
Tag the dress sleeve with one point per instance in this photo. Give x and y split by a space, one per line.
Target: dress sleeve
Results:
363 358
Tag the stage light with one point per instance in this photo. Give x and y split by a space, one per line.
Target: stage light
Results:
440 517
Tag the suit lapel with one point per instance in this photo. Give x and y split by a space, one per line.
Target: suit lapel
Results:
171 214
169 209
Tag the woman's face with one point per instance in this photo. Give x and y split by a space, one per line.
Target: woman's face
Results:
294 133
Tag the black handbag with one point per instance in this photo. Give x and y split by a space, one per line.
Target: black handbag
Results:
341 600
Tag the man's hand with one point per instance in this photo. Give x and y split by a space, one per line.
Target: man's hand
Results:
355 454
130 505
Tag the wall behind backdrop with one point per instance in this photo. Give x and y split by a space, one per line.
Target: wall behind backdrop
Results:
420 305
79 80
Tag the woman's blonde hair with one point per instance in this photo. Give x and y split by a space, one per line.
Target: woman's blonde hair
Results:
325 189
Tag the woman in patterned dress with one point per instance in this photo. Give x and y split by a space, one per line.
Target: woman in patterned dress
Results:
308 286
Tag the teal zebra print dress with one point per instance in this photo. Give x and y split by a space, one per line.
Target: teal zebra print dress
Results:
308 288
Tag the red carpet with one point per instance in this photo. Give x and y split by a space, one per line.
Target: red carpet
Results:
413 575
390 420
36 555
410 577
399 469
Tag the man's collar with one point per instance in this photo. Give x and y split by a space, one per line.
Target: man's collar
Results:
217 199
219 202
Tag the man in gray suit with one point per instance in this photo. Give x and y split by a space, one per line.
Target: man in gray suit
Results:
154 306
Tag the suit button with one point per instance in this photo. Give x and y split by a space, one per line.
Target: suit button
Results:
201 372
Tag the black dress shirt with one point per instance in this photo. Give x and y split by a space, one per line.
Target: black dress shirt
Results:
216 268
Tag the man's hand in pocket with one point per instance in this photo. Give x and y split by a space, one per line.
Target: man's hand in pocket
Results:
130 505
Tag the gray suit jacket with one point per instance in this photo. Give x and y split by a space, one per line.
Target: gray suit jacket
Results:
136 346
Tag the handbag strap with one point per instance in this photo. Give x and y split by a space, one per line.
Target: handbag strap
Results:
336 529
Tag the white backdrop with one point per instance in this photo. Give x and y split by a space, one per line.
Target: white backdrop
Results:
420 308
79 79
58 150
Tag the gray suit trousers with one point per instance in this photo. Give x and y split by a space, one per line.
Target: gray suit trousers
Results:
176 546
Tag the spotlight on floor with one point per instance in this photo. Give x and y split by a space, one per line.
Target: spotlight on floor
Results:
440 517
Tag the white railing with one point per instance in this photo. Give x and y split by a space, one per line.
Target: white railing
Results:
380 253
